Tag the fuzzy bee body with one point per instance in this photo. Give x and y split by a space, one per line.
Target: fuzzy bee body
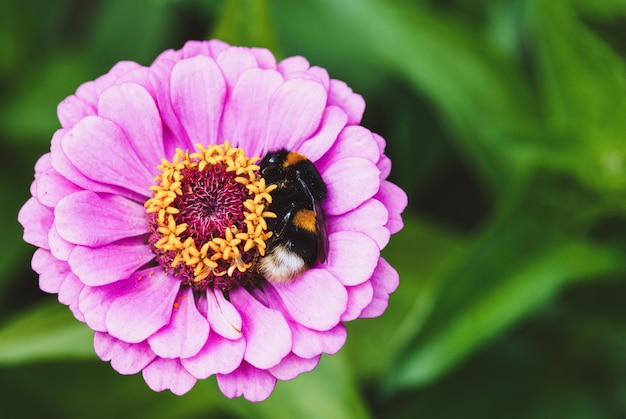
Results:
300 238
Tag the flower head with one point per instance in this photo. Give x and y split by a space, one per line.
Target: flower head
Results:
151 214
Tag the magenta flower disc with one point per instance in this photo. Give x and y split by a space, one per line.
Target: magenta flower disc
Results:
150 216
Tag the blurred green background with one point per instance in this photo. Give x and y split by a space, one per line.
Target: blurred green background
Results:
506 123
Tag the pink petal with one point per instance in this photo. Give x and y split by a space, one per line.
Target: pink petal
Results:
350 182
395 200
299 67
211 48
64 166
264 58
345 248
68 294
293 64
168 374
102 265
268 337
198 90
384 165
60 248
132 109
381 143
295 112
333 121
193 48
353 141
223 317
245 113
94 302
87 93
138 76
385 280
359 296
42 164
254 384
186 333
33 188
88 219
52 186
308 306
234 62
72 109
115 73
292 365
126 358
218 356
52 272
159 75
376 215
341 95
36 220
102 152
309 343
135 316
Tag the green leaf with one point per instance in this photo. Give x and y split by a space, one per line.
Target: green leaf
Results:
31 115
247 23
481 94
44 332
534 248
582 83
497 309
419 252
329 391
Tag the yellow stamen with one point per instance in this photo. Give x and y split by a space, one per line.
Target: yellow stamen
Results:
202 258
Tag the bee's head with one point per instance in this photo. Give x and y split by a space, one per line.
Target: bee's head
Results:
272 163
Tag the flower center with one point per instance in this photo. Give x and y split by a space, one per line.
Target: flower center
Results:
207 217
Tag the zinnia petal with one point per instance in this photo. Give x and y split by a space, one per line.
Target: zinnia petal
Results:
309 307
168 374
268 338
308 343
223 316
78 220
126 358
37 220
385 280
218 356
68 294
246 110
51 271
135 316
359 297
109 158
350 183
198 90
186 333
292 365
132 109
295 111
345 248
253 383
109 263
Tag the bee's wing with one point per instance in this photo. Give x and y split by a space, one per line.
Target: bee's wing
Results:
321 231
320 223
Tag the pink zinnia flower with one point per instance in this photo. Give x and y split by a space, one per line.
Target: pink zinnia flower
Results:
150 216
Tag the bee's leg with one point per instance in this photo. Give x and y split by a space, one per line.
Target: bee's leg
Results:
282 225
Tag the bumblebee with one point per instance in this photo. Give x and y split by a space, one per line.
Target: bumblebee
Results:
300 238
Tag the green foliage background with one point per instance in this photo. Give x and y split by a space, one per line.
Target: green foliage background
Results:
506 123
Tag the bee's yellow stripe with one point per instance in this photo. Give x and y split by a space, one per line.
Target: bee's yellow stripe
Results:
293 158
305 219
